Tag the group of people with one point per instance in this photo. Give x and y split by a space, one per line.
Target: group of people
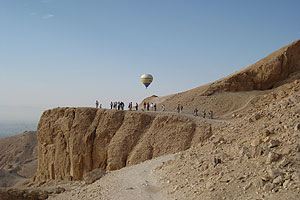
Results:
150 106
119 105
179 108
209 114
97 104
130 106
153 107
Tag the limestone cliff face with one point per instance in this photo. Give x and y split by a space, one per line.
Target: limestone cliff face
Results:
73 141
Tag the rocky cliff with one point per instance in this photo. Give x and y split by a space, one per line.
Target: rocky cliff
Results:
74 141
267 73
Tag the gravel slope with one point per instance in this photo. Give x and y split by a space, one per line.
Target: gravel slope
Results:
130 183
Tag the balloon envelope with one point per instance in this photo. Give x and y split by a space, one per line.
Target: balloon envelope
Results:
146 79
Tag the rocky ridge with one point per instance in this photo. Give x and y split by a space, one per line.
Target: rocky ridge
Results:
267 73
18 158
74 141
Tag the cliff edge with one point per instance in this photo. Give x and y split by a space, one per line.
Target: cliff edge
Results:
267 73
74 141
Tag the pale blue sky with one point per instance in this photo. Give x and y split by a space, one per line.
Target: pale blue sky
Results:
72 52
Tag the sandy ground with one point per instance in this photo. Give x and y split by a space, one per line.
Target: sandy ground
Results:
130 183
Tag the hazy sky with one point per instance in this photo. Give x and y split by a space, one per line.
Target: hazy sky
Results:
72 52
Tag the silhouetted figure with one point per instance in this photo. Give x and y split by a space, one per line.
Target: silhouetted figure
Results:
130 106
97 103
210 114
196 112
203 113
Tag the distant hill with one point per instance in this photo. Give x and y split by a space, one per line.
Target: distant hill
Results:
17 119
13 128
18 158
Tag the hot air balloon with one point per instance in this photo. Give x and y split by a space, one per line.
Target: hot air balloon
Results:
146 79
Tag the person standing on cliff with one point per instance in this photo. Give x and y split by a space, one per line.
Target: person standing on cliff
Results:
97 103
210 114
196 112
203 113
178 108
155 107
136 106
111 105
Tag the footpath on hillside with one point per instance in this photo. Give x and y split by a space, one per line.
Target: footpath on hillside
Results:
131 183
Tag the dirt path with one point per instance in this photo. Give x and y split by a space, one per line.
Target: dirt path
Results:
239 109
131 183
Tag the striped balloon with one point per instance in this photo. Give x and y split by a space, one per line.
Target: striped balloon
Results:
146 79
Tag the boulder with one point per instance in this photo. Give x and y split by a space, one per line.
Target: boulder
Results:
94 175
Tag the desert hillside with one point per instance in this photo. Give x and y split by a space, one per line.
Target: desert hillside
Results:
228 93
18 158
257 156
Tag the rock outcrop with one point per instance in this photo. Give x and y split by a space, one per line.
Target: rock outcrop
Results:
74 141
21 194
265 74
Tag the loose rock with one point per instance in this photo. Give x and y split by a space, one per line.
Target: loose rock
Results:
273 173
278 180
94 175
256 142
272 157
274 143
297 127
